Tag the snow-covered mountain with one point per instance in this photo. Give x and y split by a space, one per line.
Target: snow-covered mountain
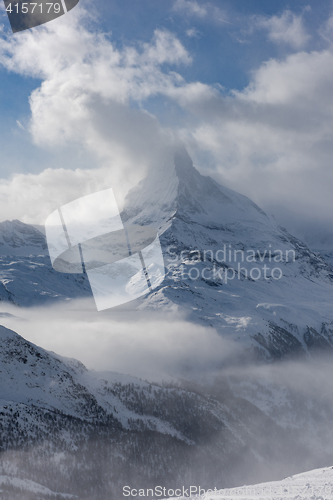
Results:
19 239
216 243
65 430
88 434
26 274
229 265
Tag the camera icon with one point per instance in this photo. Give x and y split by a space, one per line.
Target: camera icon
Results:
122 262
23 14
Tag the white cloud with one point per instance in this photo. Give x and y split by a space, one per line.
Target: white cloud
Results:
204 11
326 30
141 343
86 98
300 80
271 141
192 33
165 48
191 7
32 197
286 29
79 67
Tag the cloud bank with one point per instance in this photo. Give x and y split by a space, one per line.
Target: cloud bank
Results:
145 344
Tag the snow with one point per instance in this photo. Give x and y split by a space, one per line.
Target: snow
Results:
314 485
31 376
19 239
33 487
195 214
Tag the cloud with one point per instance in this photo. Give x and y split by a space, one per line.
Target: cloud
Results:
91 96
153 346
273 140
326 31
192 33
270 141
296 394
207 11
78 68
191 7
140 343
32 197
285 29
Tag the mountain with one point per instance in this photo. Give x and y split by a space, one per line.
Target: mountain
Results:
87 434
320 240
17 238
65 430
231 266
26 274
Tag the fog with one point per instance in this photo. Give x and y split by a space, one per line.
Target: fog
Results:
146 344
166 346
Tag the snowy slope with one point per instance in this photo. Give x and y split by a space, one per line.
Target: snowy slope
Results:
57 419
315 485
15 487
17 238
26 274
30 280
33 377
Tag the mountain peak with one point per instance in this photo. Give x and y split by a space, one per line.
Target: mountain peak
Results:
18 238
177 187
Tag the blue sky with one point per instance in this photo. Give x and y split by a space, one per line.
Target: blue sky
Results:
223 52
94 97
